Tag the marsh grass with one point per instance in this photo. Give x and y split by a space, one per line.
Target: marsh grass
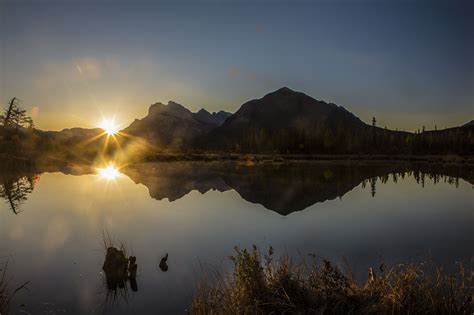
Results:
108 242
268 286
5 295
116 271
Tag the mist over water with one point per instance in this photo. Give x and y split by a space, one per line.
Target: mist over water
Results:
52 221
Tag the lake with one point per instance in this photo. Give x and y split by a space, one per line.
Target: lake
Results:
52 222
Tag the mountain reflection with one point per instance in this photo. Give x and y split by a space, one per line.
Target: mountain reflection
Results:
281 187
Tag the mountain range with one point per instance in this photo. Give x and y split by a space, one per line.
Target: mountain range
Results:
282 122
287 121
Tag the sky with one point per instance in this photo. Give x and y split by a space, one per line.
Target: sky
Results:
408 63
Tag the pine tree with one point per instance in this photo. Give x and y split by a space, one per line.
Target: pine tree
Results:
15 116
6 117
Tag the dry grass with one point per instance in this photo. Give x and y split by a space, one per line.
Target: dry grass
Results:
265 286
5 295
108 241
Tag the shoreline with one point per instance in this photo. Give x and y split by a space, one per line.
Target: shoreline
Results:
256 158
215 157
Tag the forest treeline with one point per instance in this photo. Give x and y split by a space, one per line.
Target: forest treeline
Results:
347 140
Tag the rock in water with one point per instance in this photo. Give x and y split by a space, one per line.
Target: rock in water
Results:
163 265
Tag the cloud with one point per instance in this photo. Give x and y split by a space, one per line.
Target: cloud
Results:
88 68
35 111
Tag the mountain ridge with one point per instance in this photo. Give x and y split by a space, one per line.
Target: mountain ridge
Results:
283 121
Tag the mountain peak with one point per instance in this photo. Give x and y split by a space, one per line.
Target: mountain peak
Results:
203 112
215 119
174 104
168 126
171 108
283 91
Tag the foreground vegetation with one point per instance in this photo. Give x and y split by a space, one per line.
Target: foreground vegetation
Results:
265 286
5 294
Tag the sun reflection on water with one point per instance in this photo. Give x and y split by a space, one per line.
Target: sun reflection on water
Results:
109 172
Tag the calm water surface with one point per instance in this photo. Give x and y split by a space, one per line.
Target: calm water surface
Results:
51 224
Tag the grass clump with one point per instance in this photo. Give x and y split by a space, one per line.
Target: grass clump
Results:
120 271
267 286
5 294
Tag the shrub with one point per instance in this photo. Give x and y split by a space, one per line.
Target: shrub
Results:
265 286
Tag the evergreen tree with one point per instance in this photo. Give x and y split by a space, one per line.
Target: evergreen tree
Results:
6 117
15 117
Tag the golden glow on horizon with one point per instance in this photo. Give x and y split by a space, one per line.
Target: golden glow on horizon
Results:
110 172
110 126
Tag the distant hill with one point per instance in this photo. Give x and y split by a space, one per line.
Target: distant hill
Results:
73 135
69 144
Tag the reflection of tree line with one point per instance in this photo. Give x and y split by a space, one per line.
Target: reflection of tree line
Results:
419 176
281 187
15 191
